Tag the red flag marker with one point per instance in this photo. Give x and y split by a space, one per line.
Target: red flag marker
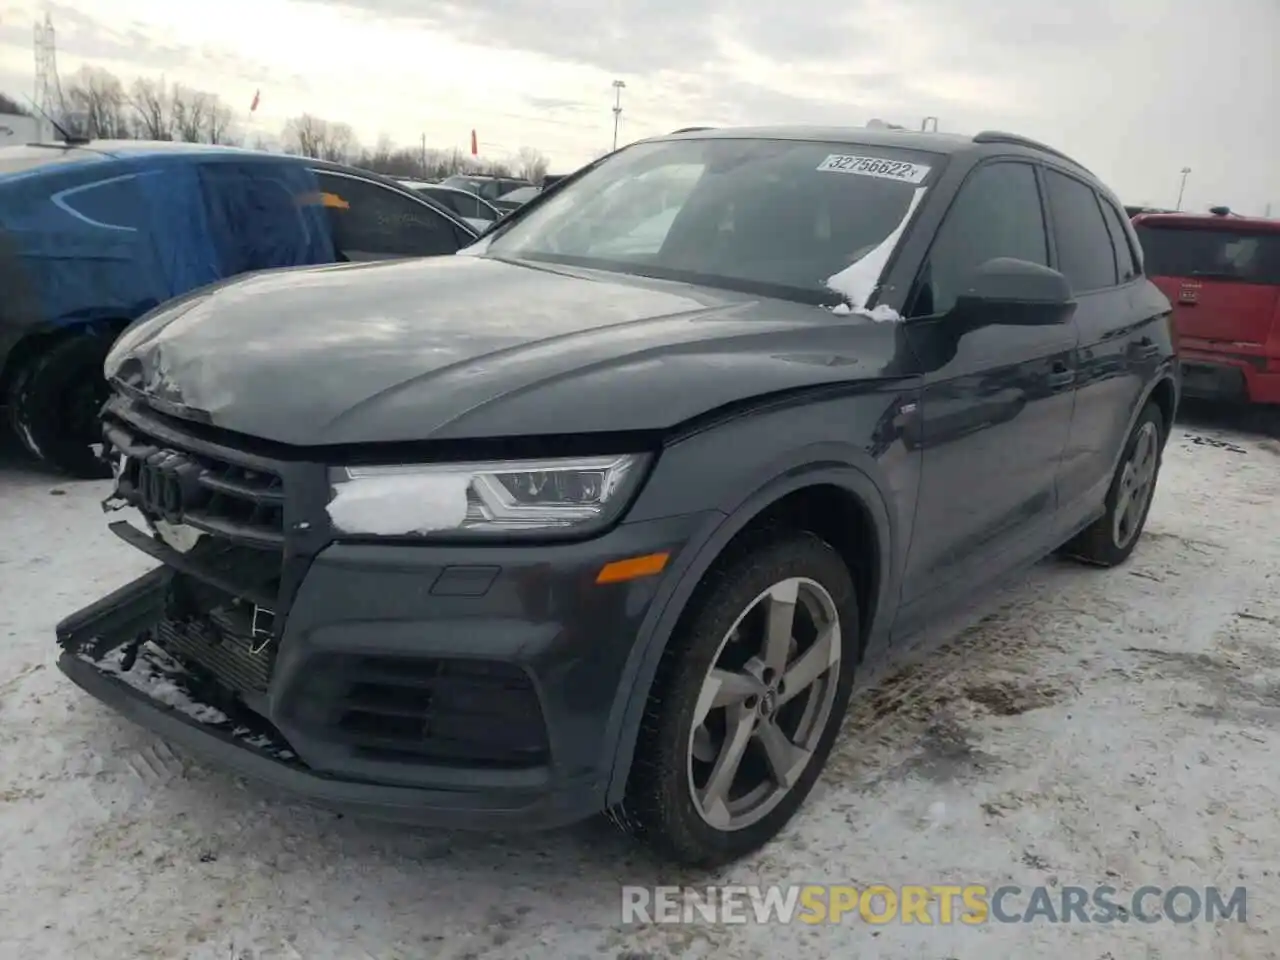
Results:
475 146
257 94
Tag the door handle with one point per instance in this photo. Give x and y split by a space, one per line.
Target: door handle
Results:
1145 348
1060 374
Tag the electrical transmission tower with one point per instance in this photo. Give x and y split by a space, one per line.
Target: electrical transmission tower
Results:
48 93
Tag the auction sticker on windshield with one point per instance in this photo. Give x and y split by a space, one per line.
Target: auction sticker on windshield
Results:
876 167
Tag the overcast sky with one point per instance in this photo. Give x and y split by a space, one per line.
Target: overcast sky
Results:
1134 89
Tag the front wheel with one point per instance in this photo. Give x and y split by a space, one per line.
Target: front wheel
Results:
1110 539
747 704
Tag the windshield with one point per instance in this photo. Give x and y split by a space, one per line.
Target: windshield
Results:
1212 254
776 216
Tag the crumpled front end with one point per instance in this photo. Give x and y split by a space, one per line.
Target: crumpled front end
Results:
432 683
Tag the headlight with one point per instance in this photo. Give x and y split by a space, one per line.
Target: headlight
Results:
535 496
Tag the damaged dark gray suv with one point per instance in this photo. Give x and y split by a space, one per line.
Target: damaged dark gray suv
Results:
602 514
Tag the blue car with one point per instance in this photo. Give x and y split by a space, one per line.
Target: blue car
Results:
94 235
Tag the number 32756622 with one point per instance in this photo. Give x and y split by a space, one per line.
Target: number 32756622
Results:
875 167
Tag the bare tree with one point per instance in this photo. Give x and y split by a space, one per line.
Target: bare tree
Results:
531 164
312 136
96 100
340 143
191 110
399 162
153 109
494 168
218 121
305 135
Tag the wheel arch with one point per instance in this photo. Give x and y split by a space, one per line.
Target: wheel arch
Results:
36 340
1163 390
828 481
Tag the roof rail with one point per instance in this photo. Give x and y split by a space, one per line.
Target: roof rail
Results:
688 130
999 136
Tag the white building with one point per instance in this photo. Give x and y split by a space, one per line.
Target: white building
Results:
16 129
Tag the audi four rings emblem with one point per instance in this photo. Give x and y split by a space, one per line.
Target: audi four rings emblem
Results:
159 482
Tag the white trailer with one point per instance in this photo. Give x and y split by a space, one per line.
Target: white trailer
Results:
16 129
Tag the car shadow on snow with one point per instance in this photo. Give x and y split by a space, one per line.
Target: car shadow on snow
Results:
17 463
1250 419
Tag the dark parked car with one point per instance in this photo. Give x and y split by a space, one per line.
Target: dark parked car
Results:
513 537
471 207
484 186
94 235
516 198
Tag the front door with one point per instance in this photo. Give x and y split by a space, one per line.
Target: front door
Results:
997 400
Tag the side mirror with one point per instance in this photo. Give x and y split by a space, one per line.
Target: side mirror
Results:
1016 292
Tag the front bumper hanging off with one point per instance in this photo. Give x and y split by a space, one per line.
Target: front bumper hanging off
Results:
480 686
106 651
521 653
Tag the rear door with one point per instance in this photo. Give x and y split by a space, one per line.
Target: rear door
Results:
1223 282
1123 337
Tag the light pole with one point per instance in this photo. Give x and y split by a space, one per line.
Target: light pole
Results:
1182 186
618 87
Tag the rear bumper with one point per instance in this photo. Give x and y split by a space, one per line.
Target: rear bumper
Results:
533 616
1218 375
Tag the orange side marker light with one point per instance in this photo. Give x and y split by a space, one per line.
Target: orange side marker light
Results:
633 568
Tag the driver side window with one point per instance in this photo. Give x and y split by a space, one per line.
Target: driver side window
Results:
997 213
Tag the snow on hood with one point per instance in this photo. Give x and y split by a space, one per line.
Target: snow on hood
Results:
858 281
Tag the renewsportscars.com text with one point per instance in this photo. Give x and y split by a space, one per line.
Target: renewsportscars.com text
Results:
940 904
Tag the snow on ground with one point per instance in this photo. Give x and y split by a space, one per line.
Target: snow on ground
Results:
1079 727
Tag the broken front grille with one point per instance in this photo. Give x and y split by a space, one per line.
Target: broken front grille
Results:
227 606
229 642
228 500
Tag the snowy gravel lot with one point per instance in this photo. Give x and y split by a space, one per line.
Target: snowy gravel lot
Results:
1079 727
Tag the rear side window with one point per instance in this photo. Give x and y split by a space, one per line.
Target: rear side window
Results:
1085 253
370 219
1212 254
111 204
1125 264
256 221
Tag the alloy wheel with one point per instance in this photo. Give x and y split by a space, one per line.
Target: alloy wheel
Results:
1137 483
764 704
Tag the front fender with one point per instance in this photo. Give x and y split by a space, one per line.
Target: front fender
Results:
832 464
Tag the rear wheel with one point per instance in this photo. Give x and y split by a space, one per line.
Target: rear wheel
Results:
747 705
1110 539
54 401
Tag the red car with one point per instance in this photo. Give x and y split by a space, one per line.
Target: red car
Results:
1221 272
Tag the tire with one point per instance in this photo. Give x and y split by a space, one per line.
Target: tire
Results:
673 764
1105 542
54 402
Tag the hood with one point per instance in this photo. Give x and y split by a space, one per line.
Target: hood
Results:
471 347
